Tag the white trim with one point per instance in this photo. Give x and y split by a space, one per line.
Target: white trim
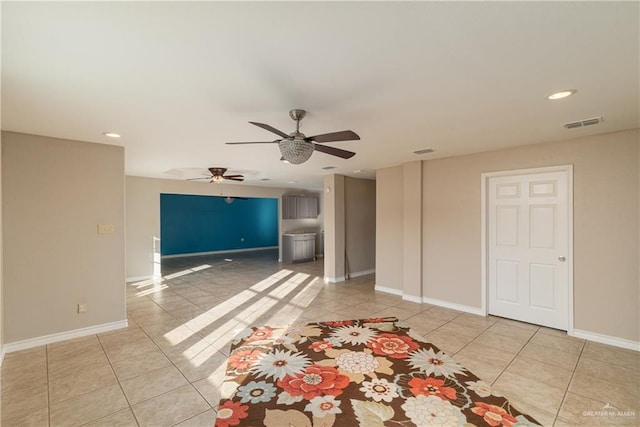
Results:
338 279
138 278
61 336
230 251
459 307
2 353
412 298
484 178
387 290
606 339
361 273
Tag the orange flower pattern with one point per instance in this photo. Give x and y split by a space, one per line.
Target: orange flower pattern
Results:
353 373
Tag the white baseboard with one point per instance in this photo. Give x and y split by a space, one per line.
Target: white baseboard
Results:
229 251
61 336
138 278
361 273
459 307
387 290
412 298
338 279
607 339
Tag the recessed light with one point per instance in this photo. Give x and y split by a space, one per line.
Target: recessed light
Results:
358 171
112 134
291 182
561 94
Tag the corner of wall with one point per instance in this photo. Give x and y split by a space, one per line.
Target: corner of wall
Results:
1 274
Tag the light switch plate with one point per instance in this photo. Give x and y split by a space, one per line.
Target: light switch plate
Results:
106 229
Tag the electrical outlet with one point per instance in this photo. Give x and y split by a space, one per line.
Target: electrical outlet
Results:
82 308
106 229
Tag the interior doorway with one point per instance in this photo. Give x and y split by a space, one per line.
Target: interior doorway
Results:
528 245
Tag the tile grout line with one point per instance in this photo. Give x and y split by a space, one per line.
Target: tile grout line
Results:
119 384
515 356
181 373
566 391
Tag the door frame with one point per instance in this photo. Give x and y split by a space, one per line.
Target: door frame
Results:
485 225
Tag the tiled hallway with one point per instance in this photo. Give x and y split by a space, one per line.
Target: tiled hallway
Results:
164 369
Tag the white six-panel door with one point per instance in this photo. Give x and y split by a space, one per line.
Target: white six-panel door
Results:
528 242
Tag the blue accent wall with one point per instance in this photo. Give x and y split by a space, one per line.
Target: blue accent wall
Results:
191 224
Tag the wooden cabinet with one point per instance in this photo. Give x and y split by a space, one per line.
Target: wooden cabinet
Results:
298 247
289 207
294 207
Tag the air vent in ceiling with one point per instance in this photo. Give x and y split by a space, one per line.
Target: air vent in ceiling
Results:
585 122
328 168
265 179
424 151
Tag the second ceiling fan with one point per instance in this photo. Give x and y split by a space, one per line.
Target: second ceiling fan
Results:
297 148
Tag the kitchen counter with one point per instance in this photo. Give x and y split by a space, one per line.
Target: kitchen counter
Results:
298 247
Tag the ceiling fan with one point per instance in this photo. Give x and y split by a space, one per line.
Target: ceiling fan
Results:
218 175
297 148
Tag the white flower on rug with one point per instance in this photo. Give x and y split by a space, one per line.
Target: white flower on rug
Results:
256 392
354 335
481 388
436 364
280 363
320 406
298 330
379 389
432 411
355 362
335 342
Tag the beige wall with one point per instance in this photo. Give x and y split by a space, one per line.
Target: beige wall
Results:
389 227
143 215
606 226
334 222
55 193
350 227
412 230
360 225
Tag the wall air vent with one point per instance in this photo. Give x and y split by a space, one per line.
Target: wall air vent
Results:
424 151
585 122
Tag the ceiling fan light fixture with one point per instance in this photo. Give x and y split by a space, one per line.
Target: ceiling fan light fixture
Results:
228 200
295 151
217 179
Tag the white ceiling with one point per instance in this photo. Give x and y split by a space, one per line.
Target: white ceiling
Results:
177 80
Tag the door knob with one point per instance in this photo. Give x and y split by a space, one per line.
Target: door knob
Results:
561 259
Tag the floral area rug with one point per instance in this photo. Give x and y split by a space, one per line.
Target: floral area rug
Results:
367 373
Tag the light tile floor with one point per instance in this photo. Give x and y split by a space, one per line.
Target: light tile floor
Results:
165 368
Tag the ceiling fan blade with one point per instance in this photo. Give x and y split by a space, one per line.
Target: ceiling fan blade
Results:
345 135
239 198
253 142
195 179
334 151
270 129
233 176
233 179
